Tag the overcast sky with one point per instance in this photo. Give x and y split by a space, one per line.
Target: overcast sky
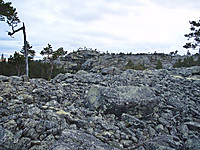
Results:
114 25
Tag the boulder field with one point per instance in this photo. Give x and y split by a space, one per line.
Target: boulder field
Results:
141 110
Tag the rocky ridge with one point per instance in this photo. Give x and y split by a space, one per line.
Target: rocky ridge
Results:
97 62
151 109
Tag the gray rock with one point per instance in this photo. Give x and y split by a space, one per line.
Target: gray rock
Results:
183 129
165 142
25 78
26 98
132 99
193 125
4 78
87 65
15 80
193 143
74 139
111 71
85 77
132 121
159 128
34 111
158 109
31 133
151 131
10 125
25 143
6 139
157 146
40 128
81 72
126 143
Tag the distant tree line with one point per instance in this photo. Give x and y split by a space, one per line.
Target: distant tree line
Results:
187 62
37 69
131 65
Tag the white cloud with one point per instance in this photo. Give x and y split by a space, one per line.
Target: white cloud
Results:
113 25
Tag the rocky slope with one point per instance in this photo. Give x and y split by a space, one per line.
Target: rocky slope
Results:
94 61
151 109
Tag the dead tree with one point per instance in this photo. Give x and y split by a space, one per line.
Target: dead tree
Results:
25 43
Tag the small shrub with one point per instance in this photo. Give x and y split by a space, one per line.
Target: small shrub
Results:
159 65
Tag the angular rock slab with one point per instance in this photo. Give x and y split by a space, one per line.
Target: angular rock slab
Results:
165 142
132 99
74 139
6 139
132 121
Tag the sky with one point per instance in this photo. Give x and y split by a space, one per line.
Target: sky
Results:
137 26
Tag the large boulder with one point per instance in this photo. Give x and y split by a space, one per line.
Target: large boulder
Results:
88 64
132 99
111 70
4 78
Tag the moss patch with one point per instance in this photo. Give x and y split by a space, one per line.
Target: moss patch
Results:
62 112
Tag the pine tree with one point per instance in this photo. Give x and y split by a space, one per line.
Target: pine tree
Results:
52 55
194 36
31 52
178 64
47 51
8 13
19 61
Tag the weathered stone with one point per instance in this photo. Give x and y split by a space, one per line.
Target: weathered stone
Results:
29 123
132 121
111 71
153 145
121 99
193 143
74 139
25 78
4 78
34 111
6 139
126 143
31 133
38 91
152 132
26 98
193 125
159 128
18 135
25 143
169 141
10 125
158 109
15 80
7 91
82 72
40 127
